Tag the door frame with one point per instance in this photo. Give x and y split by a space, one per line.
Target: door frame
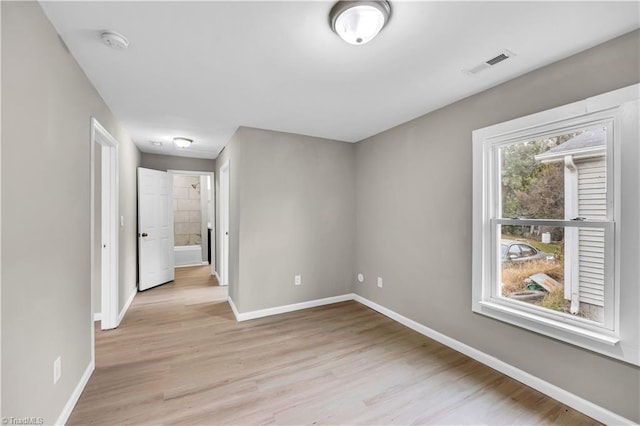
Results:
212 209
225 178
109 193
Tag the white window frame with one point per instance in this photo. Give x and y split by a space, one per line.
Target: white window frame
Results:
618 335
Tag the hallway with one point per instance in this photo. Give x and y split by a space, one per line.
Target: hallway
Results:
179 357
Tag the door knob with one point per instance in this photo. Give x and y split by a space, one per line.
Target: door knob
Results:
144 234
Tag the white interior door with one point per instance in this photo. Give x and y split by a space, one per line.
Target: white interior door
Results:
155 228
224 224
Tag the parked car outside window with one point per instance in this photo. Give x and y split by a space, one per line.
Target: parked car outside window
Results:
517 251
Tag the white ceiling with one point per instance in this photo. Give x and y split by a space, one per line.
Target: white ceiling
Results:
201 69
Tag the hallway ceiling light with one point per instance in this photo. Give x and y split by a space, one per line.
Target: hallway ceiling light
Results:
182 142
358 22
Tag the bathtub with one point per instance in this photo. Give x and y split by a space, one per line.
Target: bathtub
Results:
188 255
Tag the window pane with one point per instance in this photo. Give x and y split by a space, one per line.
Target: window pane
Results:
514 251
560 177
527 250
557 268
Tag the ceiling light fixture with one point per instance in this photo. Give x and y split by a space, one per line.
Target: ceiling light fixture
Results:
182 142
358 22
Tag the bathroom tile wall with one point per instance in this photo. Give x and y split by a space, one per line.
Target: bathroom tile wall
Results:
186 210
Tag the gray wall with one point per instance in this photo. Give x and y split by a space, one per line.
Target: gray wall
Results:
128 163
295 215
414 222
171 162
47 104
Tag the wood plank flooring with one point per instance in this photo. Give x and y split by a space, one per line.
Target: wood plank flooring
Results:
179 357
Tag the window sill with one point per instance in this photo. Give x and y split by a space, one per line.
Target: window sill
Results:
549 327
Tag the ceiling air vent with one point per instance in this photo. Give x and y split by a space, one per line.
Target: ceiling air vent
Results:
501 57
504 55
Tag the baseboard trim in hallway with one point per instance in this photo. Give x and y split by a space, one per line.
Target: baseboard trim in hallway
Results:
574 401
287 308
75 395
127 304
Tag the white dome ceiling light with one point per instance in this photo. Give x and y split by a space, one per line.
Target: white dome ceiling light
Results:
182 142
114 40
358 22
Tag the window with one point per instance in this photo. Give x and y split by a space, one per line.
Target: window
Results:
556 177
514 252
548 223
527 251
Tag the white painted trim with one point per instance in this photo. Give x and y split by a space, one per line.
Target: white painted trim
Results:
101 138
290 308
97 316
215 274
75 395
233 308
126 306
589 408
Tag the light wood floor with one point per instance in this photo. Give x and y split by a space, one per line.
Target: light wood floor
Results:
179 357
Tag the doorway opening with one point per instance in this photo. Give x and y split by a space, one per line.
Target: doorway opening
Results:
104 225
193 215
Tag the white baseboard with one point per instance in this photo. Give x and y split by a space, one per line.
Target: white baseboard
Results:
97 316
215 274
288 308
125 308
75 395
233 308
574 401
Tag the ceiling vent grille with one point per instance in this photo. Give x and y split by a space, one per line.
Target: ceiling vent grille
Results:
503 56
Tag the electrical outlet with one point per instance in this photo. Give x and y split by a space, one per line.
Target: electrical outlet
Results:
298 279
360 278
379 282
57 370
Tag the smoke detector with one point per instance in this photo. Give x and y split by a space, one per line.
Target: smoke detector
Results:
114 40
500 57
